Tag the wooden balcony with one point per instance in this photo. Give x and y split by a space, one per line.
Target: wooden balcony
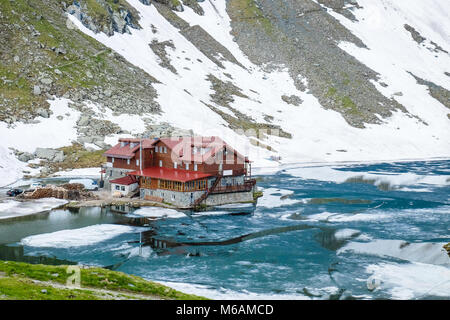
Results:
247 186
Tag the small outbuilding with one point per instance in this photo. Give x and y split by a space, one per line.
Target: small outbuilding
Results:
124 186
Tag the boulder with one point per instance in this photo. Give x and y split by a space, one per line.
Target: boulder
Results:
36 90
46 81
43 113
49 154
83 121
25 157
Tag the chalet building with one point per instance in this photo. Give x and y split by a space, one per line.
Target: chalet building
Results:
185 171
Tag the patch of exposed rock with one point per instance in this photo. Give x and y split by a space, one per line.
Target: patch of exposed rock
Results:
159 48
303 36
439 93
105 16
292 99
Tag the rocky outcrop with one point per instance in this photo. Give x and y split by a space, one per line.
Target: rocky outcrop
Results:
49 154
439 93
172 4
292 99
105 16
209 46
159 48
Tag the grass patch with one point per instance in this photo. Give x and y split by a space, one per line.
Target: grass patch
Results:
17 288
249 11
345 102
76 156
94 278
257 194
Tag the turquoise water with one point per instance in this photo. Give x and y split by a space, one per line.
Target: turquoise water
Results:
291 245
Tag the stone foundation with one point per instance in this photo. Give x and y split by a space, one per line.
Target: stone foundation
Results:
186 199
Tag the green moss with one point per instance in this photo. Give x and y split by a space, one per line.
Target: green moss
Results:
95 278
257 194
331 92
345 102
247 10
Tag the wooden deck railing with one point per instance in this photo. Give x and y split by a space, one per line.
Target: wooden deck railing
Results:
247 186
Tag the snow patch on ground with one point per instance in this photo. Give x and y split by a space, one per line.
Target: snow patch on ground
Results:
78 173
77 237
48 133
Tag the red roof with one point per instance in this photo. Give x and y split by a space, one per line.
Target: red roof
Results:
125 181
119 151
170 174
183 147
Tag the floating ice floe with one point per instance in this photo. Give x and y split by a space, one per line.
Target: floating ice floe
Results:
346 217
13 208
77 237
274 197
343 234
158 213
211 213
432 253
411 280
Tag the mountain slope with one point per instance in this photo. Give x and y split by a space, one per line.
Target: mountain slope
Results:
305 80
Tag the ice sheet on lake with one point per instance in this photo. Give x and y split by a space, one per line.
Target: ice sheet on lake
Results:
274 197
390 180
346 217
158 213
77 237
346 233
412 280
432 253
13 208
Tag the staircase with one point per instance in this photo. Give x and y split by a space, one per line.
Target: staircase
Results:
206 194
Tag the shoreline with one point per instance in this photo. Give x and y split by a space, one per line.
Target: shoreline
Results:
257 171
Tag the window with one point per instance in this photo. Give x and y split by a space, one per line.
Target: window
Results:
165 150
173 197
160 163
123 188
137 162
112 160
128 161
187 166
117 187
195 167
175 165
156 149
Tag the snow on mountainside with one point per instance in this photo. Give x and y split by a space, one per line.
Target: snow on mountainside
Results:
206 81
